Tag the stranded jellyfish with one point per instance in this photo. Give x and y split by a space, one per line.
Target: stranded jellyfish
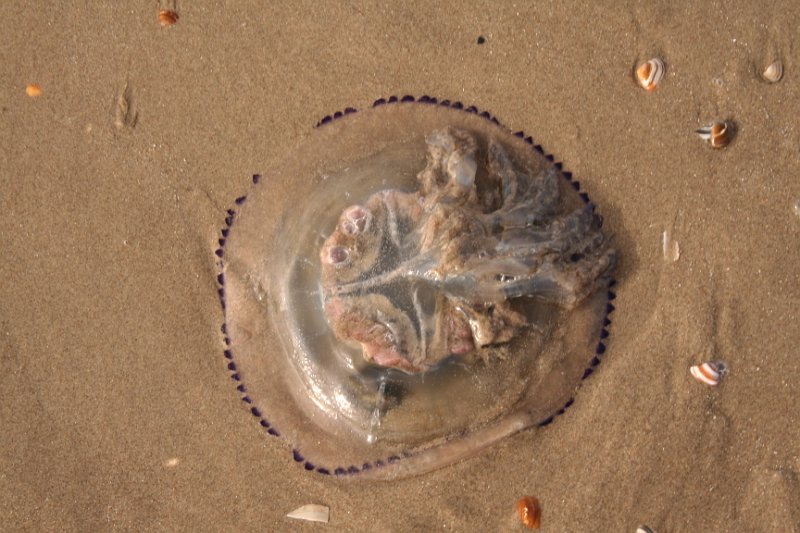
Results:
410 285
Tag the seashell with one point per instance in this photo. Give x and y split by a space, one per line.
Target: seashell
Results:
167 17
773 73
709 373
311 513
33 90
645 529
530 512
718 134
650 73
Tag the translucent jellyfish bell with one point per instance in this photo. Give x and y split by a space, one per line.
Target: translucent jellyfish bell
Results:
412 284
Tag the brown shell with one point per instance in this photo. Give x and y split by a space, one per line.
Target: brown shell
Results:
530 512
718 134
167 17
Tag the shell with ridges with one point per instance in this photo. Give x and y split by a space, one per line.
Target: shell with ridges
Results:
650 73
530 512
718 134
709 372
774 72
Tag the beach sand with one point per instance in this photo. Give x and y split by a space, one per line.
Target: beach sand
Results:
118 412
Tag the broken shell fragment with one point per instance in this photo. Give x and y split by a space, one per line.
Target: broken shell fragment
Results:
645 529
530 512
718 134
773 73
311 513
670 247
709 373
33 90
650 73
167 17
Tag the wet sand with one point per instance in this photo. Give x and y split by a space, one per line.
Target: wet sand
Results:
118 412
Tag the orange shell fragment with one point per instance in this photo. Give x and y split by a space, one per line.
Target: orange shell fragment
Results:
33 90
167 17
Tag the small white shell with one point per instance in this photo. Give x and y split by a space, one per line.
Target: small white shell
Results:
311 512
650 73
773 73
718 134
645 529
709 372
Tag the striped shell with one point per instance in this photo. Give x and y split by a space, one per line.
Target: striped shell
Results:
650 73
709 373
718 134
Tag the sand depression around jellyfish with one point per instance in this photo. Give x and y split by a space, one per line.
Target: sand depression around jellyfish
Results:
410 285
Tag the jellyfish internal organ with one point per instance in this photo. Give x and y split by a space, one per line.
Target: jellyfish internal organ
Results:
418 277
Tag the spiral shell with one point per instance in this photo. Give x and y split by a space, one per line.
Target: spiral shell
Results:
773 73
650 73
709 372
718 134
